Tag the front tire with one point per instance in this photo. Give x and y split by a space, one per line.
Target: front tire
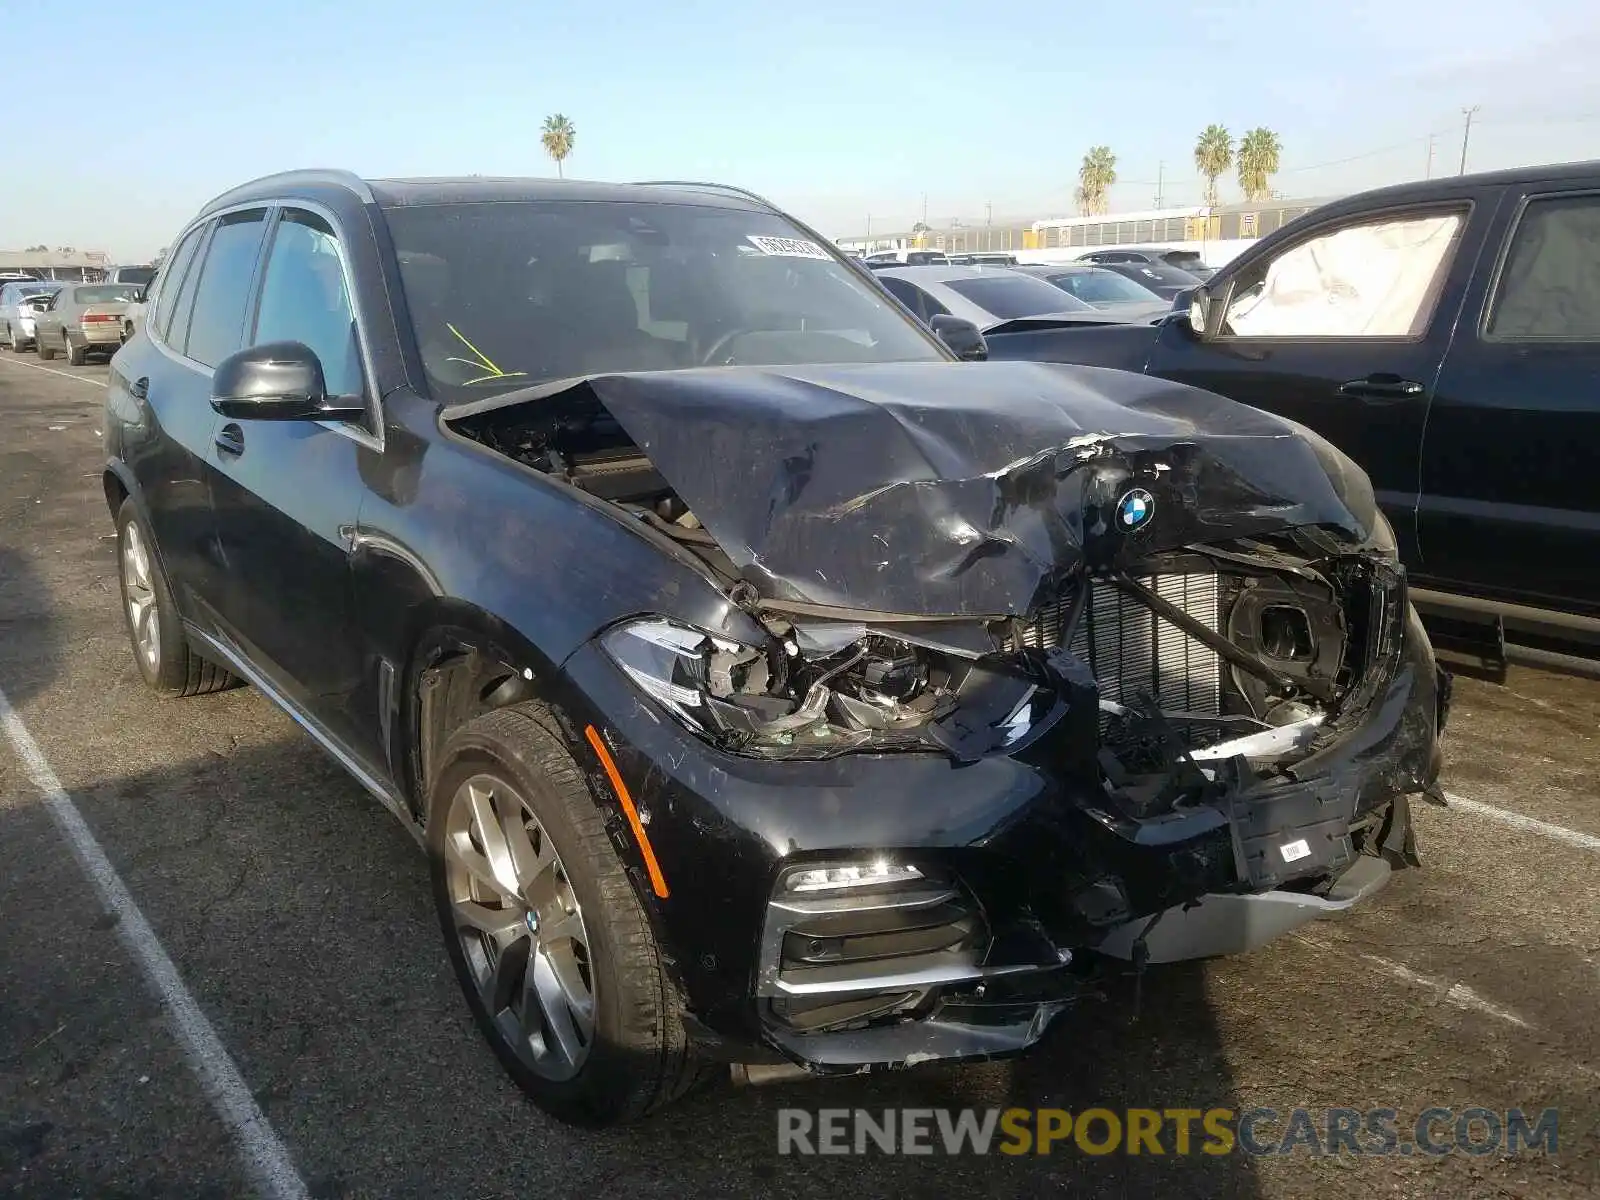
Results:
167 663
546 934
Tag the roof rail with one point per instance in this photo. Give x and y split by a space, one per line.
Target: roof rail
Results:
327 176
728 188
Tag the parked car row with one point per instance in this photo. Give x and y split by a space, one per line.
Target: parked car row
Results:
71 319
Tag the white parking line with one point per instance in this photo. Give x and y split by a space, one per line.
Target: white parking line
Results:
1457 994
264 1154
91 380
1584 841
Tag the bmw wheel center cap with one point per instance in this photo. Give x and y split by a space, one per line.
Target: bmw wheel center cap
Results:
1135 509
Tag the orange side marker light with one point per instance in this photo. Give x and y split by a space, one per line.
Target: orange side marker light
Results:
658 882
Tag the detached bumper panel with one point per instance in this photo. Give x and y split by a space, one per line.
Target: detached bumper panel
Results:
1226 924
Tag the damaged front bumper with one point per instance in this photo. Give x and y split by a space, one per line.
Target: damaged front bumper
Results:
946 909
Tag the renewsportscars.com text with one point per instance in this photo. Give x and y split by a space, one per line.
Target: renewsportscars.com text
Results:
1177 1131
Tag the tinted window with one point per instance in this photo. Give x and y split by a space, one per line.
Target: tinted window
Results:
177 268
1373 279
1012 295
914 298
1550 286
140 275
1104 287
304 299
12 292
216 329
1157 275
104 293
503 295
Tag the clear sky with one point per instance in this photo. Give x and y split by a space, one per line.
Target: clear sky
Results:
121 118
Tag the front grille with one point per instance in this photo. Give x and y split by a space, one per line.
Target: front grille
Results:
1132 652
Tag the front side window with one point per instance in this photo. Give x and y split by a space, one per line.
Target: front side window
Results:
1550 285
914 298
304 298
505 295
1375 279
216 329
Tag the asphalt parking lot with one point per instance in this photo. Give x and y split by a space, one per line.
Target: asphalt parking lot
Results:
296 914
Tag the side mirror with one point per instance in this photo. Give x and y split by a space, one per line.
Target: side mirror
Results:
278 381
1192 306
962 336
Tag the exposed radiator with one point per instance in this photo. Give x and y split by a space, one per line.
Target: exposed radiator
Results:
1132 651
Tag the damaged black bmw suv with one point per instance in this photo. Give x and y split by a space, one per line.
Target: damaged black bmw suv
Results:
767 685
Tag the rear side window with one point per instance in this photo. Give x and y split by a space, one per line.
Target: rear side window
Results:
216 329
177 288
1550 286
1378 278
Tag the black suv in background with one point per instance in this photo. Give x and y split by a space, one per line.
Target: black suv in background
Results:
766 684
1445 335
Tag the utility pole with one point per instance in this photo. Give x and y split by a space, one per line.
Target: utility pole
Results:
988 214
924 208
1465 134
1429 175
1161 175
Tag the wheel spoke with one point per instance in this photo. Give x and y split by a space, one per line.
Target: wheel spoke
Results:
526 862
493 837
559 927
498 923
508 977
561 1036
539 884
460 849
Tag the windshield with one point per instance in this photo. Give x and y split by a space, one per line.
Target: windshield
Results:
510 294
1008 295
104 293
1103 287
139 275
1184 260
38 289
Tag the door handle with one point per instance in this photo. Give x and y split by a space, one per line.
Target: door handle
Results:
230 440
1382 385
140 387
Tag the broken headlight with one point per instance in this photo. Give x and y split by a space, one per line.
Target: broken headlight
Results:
687 671
778 700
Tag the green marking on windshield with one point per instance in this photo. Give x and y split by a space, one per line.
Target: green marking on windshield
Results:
480 360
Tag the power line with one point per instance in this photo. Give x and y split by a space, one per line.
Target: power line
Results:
1466 132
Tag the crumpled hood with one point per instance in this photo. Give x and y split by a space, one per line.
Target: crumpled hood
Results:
966 488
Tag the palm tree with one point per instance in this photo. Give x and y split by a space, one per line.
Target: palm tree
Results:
1259 151
1213 155
1095 177
558 135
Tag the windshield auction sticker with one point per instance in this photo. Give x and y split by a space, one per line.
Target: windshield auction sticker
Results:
787 247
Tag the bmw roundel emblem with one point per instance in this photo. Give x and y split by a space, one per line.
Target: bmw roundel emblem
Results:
1135 509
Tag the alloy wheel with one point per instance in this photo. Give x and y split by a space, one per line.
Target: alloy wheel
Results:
520 927
138 583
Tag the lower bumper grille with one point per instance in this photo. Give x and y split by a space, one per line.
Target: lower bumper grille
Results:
1132 652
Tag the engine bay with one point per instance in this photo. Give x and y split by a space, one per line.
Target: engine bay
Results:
1250 649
